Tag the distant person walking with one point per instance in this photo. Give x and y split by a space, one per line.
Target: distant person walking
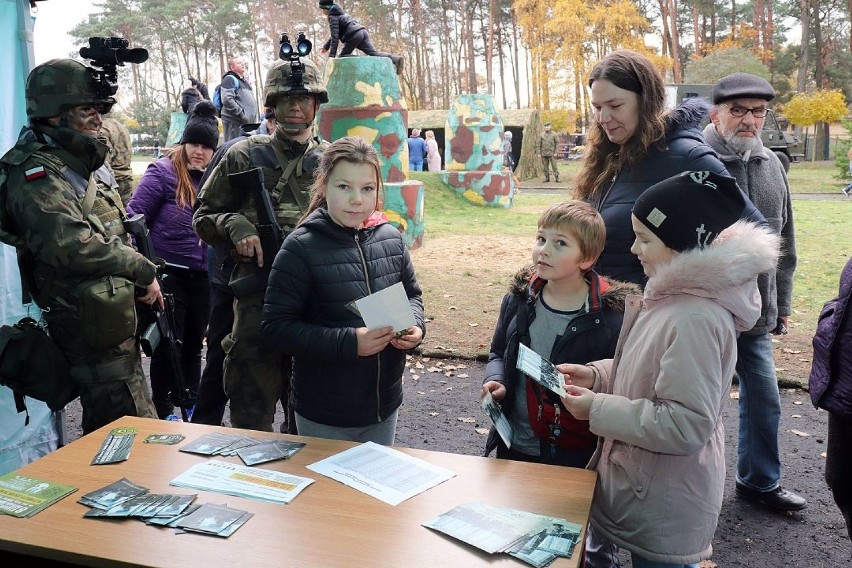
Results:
433 153
848 188
349 31
508 158
416 151
548 142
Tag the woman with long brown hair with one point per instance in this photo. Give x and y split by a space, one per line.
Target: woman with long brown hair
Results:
166 196
633 143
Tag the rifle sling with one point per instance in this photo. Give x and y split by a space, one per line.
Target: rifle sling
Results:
288 178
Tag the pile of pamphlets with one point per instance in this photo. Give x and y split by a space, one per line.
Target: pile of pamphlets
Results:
538 540
127 499
24 496
251 450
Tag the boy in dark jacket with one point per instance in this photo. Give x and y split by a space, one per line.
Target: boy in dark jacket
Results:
565 312
344 28
831 389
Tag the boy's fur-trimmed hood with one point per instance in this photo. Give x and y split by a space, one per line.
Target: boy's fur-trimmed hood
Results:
726 271
613 298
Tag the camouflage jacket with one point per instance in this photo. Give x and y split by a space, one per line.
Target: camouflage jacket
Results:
41 215
117 138
548 142
227 214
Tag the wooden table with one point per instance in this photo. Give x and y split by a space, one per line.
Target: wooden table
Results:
327 525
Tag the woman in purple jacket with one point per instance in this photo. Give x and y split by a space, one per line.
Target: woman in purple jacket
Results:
166 196
831 389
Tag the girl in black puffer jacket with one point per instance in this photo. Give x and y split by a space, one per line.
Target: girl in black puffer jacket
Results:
347 379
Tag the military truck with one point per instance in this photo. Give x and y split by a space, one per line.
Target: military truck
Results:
788 148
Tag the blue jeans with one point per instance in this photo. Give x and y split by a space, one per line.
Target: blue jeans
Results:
758 462
415 166
601 553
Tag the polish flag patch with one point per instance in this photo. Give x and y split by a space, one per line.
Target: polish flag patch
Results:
35 173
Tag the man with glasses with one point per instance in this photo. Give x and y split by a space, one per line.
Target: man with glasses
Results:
739 109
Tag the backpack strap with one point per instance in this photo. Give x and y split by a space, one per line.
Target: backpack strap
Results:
288 179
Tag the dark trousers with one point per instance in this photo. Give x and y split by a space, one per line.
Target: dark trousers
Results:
838 465
192 307
211 400
361 40
549 455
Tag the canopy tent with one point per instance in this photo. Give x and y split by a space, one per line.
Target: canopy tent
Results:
524 124
19 443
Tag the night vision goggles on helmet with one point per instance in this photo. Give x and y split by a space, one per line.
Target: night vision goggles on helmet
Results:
109 53
287 53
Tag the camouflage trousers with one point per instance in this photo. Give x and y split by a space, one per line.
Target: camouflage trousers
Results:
549 163
112 383
255 377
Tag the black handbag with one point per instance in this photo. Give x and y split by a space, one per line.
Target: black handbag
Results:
31 364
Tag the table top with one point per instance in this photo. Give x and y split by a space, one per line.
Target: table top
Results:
327 525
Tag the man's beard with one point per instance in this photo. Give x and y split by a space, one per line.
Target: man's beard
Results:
743 144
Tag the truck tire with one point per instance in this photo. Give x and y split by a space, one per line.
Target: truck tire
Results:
785 160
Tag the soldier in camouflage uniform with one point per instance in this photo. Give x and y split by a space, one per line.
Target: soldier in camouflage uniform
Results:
548 143
60 208
117 138
254 377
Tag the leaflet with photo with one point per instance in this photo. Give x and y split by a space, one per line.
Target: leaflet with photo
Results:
387 308
501 423
211 519
112 494
116 446
269 451
540 370
22 496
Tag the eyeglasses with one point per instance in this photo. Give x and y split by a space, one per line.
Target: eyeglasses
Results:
741 111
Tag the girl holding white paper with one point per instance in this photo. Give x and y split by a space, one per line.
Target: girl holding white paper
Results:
347 378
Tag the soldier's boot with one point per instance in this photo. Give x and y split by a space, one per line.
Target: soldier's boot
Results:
557 177
546 178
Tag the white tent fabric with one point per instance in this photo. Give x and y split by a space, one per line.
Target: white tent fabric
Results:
19 444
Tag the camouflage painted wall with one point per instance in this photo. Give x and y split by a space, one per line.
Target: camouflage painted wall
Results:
474 159
365 100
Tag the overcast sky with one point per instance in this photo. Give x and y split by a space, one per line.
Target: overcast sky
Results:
54 18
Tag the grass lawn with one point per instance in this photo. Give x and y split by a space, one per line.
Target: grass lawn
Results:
823 229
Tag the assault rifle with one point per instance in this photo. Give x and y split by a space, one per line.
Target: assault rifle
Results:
162 323
268 230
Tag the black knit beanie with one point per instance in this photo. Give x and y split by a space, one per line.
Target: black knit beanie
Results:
326 3
202 126
689 210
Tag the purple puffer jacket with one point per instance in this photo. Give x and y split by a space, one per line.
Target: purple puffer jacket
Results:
831 372
170 225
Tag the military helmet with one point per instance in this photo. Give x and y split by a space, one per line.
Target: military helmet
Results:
279 81
60 84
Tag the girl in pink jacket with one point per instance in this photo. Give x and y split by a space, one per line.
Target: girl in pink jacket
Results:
657 405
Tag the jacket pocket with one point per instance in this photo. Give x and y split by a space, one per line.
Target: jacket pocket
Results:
107 312
638 466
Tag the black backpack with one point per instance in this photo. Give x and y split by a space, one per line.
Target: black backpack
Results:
32 365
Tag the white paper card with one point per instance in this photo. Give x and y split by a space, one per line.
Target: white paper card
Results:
388 307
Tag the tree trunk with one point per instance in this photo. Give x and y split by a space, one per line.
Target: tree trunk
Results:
697 30
677 68
515 61
667 37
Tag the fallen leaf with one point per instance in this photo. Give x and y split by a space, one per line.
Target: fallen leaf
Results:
426 359
800 433
415 377
433 414
461 366
707 564
434 369
735 395
450 368
792 351
466 419
781 369
418 365
471 324
797 402
449 388
795 416
420 392
427 320
824 455
453 308
804 360
483 431
448 374
462 375
448 295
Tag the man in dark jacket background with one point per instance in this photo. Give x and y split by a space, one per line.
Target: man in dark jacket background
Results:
346 29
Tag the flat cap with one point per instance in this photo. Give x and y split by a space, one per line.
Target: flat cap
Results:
742 86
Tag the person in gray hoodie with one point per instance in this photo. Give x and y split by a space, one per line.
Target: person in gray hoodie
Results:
739 108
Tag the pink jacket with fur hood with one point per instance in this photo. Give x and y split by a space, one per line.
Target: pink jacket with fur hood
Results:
661 455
